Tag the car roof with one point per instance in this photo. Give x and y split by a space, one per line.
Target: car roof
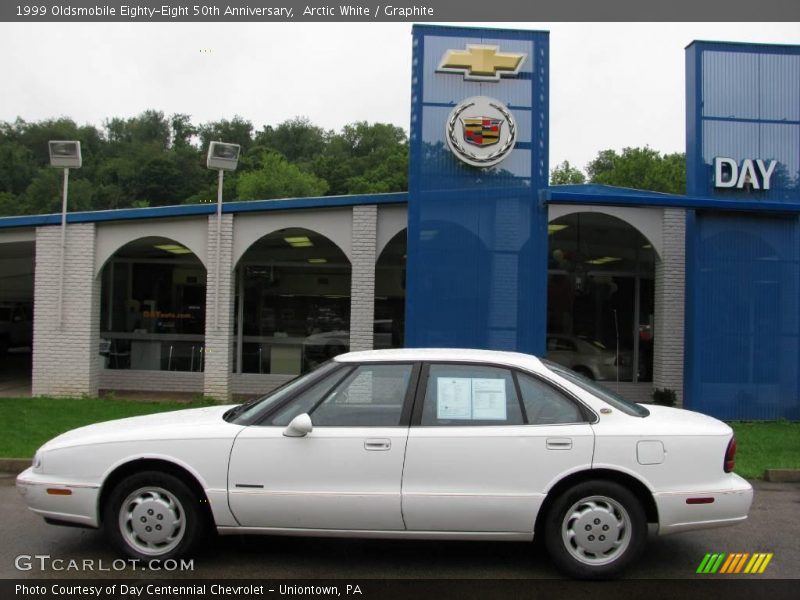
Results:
514 359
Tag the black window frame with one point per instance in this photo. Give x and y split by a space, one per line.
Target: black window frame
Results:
589 415
346 369
626 407
313 378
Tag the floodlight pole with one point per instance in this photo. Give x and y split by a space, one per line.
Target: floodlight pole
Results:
63 249
219 249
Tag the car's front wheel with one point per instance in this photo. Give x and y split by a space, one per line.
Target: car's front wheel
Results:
595 529
153 515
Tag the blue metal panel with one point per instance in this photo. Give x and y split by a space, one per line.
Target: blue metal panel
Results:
743 313
742 351
477 238
743 102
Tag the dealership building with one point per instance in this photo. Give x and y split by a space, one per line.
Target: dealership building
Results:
699 294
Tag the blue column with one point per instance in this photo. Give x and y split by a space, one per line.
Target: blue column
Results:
477 235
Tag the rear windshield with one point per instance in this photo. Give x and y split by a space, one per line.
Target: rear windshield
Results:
606 395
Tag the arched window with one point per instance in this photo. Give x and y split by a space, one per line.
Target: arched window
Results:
152 310
292 303
600 308
390 294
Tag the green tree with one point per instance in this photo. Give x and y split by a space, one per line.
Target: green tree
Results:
150 127
278 178
565 174
236 131
182 130
17 167
297 139
44 193
640 168
365 158
152 160
10 204
159 180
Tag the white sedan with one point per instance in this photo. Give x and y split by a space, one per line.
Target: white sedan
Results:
411 443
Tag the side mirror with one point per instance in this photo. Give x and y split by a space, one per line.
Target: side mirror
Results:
299 427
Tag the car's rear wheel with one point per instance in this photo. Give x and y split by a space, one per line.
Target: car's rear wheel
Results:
154 515
595 529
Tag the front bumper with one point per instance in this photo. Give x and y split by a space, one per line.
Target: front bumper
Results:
67 501
732 500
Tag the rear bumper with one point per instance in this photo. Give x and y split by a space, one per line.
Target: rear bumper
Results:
731 504
75 502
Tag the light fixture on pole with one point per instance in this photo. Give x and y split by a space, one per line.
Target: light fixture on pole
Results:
64 155
221 157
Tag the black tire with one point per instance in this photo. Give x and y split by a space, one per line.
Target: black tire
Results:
161 501
595 529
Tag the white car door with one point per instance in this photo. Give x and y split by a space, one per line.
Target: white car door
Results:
472 461
345 473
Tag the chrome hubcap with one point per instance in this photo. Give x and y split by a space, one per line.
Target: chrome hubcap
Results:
596 530
152 521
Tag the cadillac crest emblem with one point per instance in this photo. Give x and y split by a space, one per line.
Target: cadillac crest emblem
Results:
481 131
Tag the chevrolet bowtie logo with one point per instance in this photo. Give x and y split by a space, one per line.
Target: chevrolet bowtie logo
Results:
482 63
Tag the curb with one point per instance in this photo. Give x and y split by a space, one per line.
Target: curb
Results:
14 466
782 475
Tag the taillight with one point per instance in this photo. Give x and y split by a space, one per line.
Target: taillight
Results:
730 456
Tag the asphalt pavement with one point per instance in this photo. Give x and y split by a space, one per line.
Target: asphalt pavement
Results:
773 526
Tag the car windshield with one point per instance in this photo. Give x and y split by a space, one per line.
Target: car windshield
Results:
606 395
245 413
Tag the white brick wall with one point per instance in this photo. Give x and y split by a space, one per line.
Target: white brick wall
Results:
362 295
255 384
219 334
635 392
65 354
151 381
669 308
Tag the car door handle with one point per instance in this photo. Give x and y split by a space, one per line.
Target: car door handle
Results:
377 444
559 444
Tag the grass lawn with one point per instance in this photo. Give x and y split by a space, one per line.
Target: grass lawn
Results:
766 445
26 423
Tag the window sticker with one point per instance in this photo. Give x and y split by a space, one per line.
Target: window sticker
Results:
453 398
465 398
489 399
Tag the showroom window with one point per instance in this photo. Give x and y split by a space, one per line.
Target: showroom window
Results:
152 310
292 309
390 294
600 297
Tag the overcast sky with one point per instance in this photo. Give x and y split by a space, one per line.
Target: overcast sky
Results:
612 85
